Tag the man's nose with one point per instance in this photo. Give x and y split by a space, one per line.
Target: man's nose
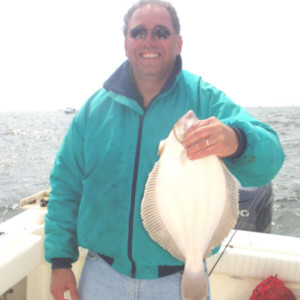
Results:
149 40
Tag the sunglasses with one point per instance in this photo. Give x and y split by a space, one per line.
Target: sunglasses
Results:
160 32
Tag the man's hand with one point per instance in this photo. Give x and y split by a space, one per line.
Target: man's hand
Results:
63 280
210 136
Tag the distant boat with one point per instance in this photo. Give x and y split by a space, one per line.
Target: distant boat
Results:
70 110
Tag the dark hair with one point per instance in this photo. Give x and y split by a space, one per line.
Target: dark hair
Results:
141 3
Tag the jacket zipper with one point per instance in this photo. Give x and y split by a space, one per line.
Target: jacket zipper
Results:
132 203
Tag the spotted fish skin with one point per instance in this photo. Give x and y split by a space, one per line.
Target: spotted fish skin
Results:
189 206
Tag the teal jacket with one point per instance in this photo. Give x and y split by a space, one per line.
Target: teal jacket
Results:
100 171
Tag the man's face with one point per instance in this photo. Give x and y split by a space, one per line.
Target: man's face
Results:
150 55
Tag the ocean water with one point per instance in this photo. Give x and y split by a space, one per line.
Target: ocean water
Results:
29 142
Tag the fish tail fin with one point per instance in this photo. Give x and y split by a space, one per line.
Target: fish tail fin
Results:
194 284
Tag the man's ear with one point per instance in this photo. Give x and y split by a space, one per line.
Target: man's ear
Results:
125 47
179 44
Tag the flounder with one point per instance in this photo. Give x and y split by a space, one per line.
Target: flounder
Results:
189 206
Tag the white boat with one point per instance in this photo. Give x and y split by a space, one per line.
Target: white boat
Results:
249 258
70 110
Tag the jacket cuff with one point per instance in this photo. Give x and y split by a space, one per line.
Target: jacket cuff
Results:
61 263
242 143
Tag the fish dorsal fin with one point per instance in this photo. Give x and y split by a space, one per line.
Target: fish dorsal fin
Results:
152 220
230 214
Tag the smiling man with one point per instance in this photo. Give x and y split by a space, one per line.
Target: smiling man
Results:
152 45
100 171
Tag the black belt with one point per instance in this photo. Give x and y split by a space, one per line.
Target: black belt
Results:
161 270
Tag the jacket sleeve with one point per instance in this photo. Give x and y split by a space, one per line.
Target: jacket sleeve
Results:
263 156
65 180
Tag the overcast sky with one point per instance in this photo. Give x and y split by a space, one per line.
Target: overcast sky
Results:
57 53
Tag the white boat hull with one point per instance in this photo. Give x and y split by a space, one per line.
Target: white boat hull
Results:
250 258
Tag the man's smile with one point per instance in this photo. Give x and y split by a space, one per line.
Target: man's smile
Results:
149 55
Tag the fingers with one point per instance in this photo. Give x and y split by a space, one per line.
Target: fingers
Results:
74 293
63 280
198 132
199 141
209 137
203 148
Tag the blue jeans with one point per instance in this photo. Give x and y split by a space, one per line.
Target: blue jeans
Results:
100 281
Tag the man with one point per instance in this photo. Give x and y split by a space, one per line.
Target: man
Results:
102 166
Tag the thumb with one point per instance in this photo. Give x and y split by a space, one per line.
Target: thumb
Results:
73 292
74 295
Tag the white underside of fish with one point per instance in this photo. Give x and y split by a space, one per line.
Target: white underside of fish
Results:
189 207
